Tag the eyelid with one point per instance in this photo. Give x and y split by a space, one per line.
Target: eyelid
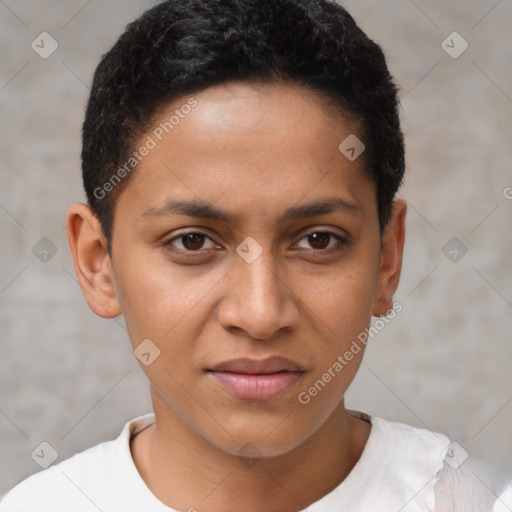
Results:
328 229
342 241
185 232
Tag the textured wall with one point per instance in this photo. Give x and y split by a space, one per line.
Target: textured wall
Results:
69 378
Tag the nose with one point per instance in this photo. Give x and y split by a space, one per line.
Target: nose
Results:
260 300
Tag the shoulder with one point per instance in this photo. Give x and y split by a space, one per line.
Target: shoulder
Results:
438 474
82 479
405 462
56 485
67 482
467 483
410 444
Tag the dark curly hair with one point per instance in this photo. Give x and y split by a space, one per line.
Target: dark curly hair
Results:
184 46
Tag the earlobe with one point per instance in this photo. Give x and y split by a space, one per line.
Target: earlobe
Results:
393 240
92 262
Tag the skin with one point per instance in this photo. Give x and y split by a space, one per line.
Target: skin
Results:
253 151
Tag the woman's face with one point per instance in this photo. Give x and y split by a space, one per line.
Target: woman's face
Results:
246 233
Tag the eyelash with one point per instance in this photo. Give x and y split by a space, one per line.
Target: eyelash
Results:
342 242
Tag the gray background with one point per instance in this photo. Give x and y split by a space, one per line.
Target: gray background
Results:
69 378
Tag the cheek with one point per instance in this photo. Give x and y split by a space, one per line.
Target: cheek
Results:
156 300
340 308
343 313
343 298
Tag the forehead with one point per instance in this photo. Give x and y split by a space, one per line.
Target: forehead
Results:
253 117
253 149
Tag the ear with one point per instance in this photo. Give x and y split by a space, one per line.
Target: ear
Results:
392 249
92 263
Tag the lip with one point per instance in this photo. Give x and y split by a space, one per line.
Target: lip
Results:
258 366
250 379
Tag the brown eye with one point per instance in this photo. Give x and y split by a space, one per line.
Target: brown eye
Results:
190 242
193 241
319 240
322 241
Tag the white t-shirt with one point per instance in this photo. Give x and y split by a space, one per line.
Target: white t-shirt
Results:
402 468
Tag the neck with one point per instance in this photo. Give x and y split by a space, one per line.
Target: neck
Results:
185 471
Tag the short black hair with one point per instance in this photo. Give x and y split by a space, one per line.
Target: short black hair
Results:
180 47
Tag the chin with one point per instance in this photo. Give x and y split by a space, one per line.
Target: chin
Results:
259 440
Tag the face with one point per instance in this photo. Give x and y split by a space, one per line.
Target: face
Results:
245 234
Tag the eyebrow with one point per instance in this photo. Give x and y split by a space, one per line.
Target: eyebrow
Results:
205 210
